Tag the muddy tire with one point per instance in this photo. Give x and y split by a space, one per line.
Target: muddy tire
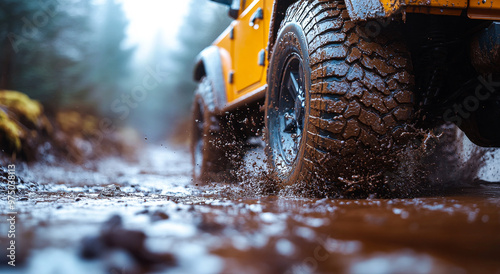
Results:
338 103
213 145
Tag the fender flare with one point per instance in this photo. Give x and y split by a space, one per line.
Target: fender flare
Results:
362 10
209 63
359 10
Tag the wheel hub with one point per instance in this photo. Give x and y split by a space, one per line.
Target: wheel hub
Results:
291 109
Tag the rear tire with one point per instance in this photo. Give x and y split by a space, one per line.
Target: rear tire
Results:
350 118
214 146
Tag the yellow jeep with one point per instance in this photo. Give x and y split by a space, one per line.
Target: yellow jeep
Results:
342 87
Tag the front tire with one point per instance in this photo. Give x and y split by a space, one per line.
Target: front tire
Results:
338 103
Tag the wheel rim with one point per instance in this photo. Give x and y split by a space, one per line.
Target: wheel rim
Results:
291 109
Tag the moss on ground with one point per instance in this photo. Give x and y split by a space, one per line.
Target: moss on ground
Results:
27 134
10 133
22 124
22 106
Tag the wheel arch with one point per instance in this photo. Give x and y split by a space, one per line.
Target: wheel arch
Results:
357 9
209 64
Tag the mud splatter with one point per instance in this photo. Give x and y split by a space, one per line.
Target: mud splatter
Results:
243 226
434 163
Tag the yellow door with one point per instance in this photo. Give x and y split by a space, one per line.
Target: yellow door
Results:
249 54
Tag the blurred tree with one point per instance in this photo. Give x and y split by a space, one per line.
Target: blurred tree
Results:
13 22
204 22
170 104
53 51
110 60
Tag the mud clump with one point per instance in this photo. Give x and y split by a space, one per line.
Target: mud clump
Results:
115 238
159 216
111 191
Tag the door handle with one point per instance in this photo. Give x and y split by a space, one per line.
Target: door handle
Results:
257 15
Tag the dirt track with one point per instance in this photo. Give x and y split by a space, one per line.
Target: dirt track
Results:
119 217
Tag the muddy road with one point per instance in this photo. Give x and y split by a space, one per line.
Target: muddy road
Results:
147 216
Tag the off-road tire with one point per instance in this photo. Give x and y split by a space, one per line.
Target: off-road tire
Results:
358 101
214 148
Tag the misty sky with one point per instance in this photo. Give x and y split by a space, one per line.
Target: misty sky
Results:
151 18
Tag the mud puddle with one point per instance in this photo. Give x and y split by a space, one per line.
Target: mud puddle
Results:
148 217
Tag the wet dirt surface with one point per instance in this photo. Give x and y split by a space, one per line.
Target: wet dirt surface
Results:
148 217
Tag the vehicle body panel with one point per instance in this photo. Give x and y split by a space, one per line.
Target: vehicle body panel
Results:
242 72
367 9
211 64
489 10
248 42
240 44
